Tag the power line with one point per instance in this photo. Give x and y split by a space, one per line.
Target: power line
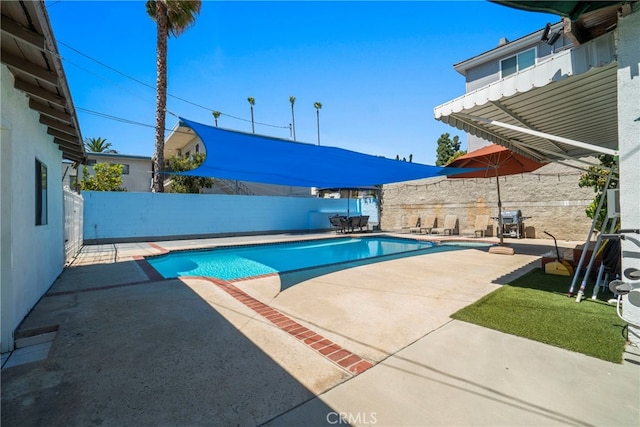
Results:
151 86
121 119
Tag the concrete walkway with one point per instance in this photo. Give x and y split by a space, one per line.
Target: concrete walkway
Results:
372 344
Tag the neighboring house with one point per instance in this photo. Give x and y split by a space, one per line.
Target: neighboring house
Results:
581 100
183 141
39 130
136 170
510 58
550 195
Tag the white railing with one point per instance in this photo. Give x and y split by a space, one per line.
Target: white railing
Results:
73 223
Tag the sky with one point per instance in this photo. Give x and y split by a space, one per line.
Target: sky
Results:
378 68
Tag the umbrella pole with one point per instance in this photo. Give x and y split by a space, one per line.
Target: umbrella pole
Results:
500 230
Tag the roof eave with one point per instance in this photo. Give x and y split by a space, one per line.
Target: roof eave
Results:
56 107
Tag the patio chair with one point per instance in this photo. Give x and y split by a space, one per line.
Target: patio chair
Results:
427 225
360 222
413 224
347 223
336 221
448 227
480 227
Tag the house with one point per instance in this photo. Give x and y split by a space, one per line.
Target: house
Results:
509 58
136 170
581 100
182 141
39 130
548 197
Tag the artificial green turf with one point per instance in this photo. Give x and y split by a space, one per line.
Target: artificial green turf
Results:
536 306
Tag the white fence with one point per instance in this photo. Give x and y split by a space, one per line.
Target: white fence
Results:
126 216
73 224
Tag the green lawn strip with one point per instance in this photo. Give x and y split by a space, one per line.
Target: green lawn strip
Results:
536 307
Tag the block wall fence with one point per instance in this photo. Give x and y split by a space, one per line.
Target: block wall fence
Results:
130 217
550 196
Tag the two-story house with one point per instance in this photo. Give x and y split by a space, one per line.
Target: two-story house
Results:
136 170
575 101
509 58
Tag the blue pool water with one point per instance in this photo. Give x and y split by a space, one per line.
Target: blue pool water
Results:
246 261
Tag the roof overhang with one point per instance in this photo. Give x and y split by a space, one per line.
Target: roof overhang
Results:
562 108
30 52
179 137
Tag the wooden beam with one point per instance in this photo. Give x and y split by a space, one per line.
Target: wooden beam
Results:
29 68
66 144
572 32
57 124
71 155
71 151
51 112
39 92
23 34
62 135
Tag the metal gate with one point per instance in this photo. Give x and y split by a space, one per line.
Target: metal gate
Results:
73 222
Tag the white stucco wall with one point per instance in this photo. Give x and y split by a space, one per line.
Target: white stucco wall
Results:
32 256
629 145
118 216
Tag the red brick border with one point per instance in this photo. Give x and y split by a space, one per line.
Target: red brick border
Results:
158 247
151 272
325 347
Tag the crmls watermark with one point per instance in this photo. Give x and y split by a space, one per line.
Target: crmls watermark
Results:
348 418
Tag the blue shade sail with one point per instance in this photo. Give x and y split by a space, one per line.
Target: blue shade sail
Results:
257 158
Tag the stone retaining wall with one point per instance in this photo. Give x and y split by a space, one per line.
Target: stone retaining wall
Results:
550 196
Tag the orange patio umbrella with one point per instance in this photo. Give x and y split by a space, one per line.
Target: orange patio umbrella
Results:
497 161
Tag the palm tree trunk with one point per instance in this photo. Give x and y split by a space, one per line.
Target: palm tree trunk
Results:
253 128
293 121
318 122
161 94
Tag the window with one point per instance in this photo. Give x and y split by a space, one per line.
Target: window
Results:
91 162
125 169
518 62
41 193
197 148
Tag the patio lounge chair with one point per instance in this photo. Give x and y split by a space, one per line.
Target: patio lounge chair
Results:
480 227
413 224
448 226
427 225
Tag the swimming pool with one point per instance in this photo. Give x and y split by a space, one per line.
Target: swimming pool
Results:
237 262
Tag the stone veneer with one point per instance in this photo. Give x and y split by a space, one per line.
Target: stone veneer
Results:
549 195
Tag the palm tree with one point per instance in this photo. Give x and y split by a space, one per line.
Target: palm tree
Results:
292 100
172 18
98 145
216 114
318 105
252 102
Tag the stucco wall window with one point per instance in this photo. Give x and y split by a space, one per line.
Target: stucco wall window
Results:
125 169
518 62
41 193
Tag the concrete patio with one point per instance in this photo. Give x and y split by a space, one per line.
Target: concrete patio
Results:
113 344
